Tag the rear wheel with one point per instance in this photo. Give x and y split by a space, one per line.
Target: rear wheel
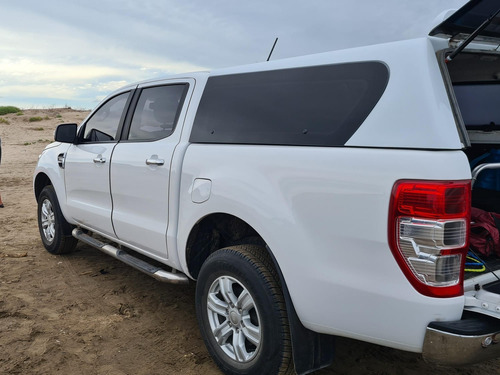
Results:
242 314
55 231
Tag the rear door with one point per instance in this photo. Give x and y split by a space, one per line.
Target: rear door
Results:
140 167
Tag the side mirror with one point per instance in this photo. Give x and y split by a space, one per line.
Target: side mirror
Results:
66 133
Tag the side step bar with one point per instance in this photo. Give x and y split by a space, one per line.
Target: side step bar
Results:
158 273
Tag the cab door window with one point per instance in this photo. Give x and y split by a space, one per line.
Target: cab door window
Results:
156 112
104 124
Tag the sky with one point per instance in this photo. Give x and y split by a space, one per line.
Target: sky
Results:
73 53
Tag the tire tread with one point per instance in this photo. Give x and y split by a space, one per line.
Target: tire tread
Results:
264 265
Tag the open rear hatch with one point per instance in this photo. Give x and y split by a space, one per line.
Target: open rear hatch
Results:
468 20
471 70
473 67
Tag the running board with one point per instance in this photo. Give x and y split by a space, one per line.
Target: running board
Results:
156 272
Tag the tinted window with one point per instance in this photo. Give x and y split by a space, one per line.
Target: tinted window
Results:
156 113
317 106
479 104
104 123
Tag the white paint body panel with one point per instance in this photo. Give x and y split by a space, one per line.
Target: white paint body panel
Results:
48 166
324 216
140 212
88 200
415 110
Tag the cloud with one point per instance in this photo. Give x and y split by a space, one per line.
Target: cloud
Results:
25 69
71 49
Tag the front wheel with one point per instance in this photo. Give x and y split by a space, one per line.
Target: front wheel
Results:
242 314
55 231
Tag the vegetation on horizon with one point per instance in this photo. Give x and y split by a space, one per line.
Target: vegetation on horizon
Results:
4 110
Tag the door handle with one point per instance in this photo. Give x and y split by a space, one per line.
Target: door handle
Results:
155 161
99 159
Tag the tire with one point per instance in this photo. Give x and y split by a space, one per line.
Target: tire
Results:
55 231
242 314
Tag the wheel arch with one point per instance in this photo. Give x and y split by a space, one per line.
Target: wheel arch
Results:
46 175
41 180
213 232
311 350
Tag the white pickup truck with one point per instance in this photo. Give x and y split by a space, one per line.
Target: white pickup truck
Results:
313 197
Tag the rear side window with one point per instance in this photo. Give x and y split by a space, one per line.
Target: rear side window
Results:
311 106
156 113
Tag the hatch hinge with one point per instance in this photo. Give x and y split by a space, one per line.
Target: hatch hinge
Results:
471 37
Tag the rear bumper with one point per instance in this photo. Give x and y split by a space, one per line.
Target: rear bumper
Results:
474 338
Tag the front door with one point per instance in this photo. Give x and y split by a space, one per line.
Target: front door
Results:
87 167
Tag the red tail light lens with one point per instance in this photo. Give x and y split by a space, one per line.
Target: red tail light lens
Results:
429 232
431 200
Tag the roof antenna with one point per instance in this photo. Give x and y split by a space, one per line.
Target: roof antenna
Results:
272 49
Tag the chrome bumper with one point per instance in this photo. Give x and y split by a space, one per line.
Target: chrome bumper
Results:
470 340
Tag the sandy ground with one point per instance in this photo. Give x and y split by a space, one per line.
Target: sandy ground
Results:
86 313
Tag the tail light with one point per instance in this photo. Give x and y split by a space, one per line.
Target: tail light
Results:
429 234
